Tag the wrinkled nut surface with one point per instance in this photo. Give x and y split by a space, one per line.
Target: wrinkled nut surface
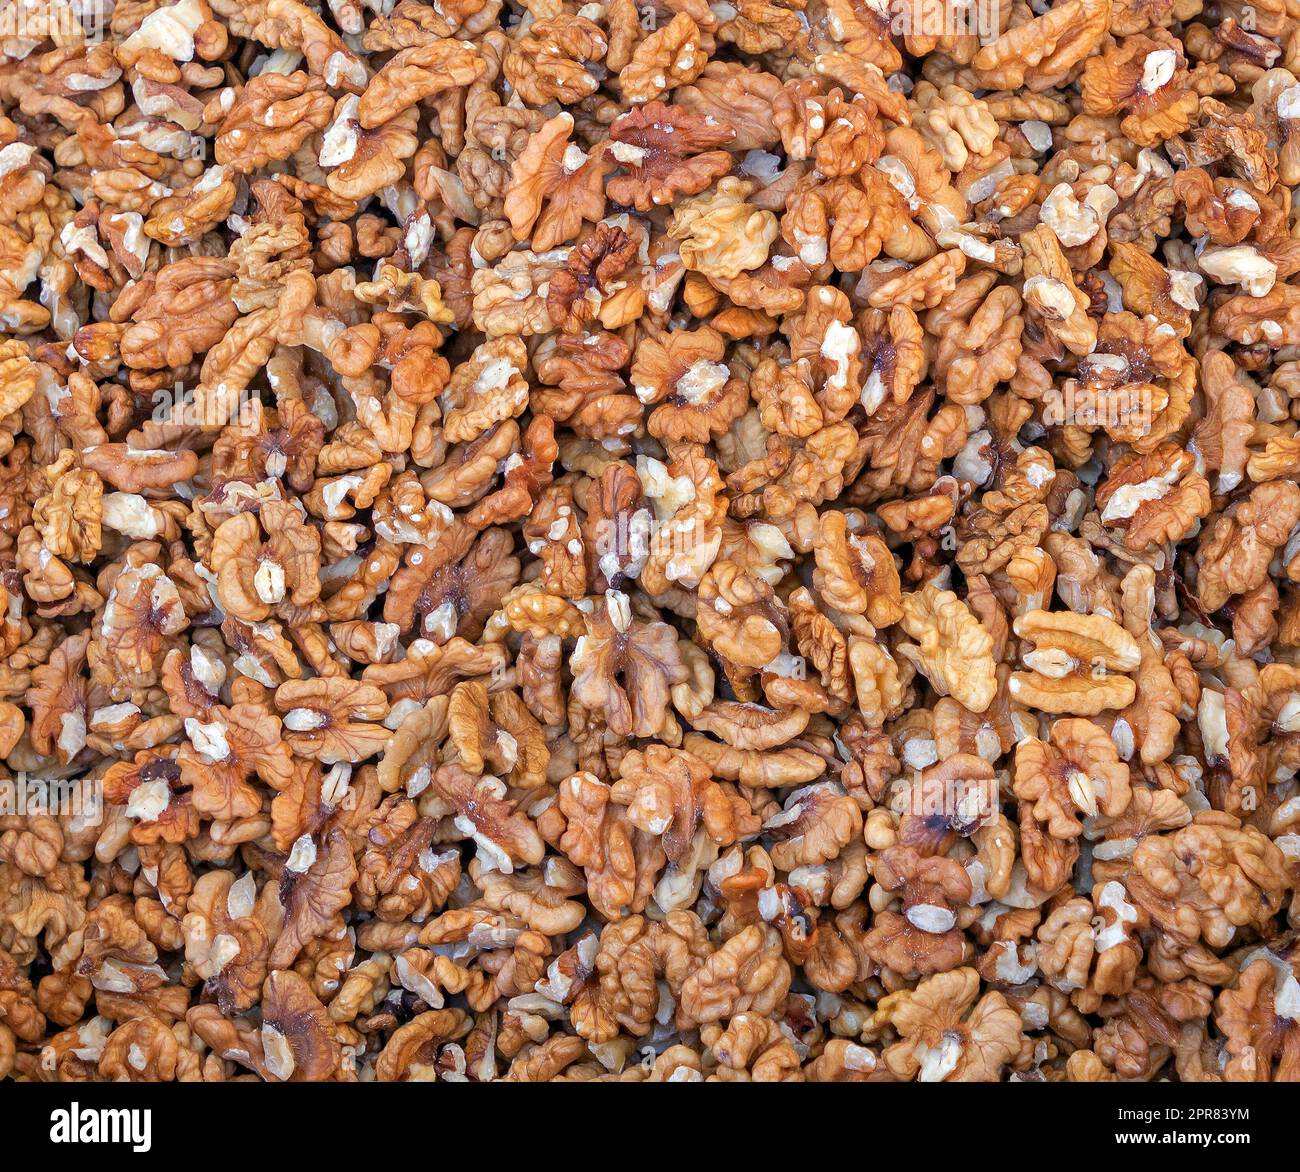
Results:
588 541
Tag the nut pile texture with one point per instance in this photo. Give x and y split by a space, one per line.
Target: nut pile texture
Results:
753 540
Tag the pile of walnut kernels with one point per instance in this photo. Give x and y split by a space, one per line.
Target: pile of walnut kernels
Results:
753 540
